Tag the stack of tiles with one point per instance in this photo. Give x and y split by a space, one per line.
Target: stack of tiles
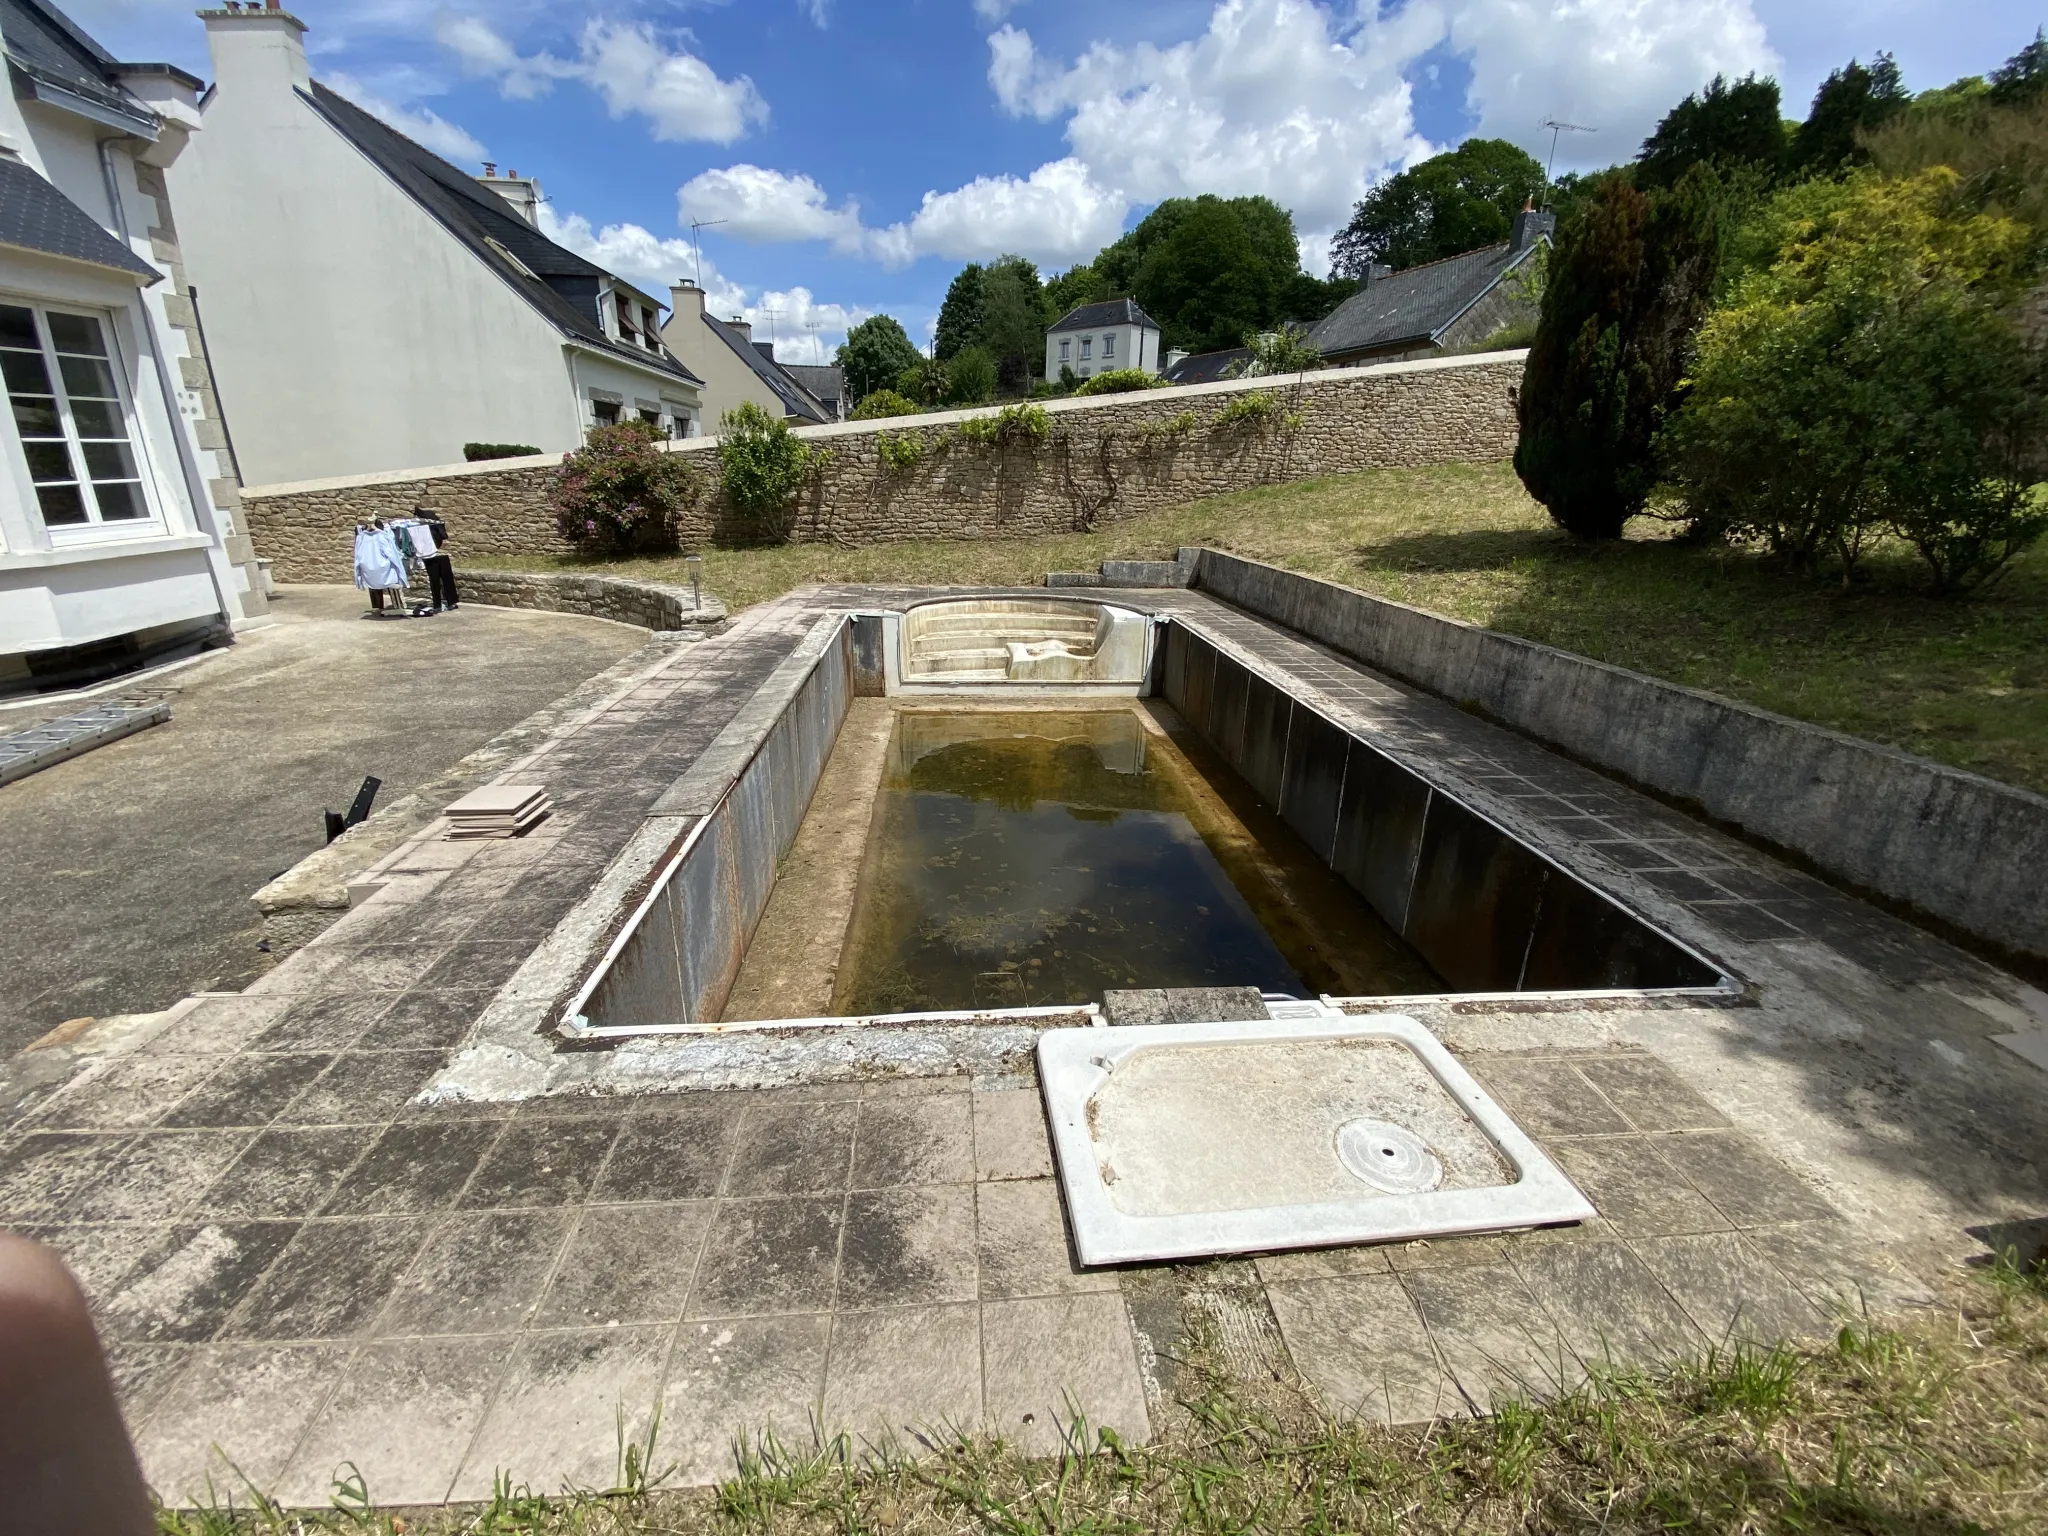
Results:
498 810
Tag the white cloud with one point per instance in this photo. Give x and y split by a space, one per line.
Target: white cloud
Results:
641 257
628 65
819 11
757 204
1617 64
1057 215
993 11
419 124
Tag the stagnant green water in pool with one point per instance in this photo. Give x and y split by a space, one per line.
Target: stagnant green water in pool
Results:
1032 857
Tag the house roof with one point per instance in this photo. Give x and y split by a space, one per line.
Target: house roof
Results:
796 400
35 216
825 381
1208 367
485 222
1414 305
1091 317
64 66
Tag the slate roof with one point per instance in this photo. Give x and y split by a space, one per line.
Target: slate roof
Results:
563 286
1208 367
35 216
796 400
52 51
1413 305
825 381
1091 317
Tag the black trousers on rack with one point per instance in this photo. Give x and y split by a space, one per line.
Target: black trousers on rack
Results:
441 578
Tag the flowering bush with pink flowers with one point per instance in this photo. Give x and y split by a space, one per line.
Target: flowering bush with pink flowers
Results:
622 491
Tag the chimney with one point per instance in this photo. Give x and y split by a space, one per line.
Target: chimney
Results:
1532 224
522 192
686 299
766 349
744 326
1174 355
256 50
1377 272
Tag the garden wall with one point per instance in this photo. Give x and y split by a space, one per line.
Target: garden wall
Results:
1105 459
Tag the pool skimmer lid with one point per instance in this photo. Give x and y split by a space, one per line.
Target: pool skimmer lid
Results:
1182 1140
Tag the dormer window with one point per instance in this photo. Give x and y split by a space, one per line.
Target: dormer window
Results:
627 331
650 329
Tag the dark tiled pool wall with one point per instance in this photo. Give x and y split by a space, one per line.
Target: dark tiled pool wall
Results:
1485 910
682 957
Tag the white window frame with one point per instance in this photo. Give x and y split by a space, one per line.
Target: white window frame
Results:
95 529
1109 346
1087 346
1066 347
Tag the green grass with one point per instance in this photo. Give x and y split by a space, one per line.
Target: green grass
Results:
1934 1429
1964 680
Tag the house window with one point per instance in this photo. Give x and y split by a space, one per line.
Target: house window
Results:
650 333
605 412
626 331
1108 346
1066 349
1087 345
75 430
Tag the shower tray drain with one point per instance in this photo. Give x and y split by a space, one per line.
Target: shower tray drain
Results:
1181 1140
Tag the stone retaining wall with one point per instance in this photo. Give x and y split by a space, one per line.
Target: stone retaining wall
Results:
649 604
1106 459
1965 850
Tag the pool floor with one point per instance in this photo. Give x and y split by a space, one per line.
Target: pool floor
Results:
1026 857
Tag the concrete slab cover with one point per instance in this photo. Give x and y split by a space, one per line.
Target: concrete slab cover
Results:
1188 1139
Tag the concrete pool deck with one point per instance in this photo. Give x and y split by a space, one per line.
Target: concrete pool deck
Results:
299 1262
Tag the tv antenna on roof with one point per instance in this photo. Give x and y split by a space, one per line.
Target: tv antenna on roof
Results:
772 315
697 241
1557 128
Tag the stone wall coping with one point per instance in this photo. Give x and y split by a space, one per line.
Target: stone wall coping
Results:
828 430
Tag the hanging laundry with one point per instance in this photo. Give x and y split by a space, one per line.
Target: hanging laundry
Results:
379 565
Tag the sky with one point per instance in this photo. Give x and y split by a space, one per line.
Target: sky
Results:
847 156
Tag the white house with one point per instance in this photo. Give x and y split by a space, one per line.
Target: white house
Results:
117 499
734 366
378 307
1097 338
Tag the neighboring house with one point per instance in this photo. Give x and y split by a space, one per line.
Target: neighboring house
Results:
734 366
1097 338
117 502
825 381
1440 306
1206 367
370 306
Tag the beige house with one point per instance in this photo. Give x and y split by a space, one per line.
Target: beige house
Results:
734 366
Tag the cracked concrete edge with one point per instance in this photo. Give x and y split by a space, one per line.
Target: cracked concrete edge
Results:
300 903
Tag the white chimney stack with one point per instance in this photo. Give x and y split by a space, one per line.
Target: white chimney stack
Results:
256 50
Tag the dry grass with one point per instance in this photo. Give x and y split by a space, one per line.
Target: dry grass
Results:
1961 680
1937 1427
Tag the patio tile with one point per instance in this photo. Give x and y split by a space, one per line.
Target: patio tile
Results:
1024 1249
324 1022
1839 1269
1010 1139
1546 1096
331 1281
671 1152
1750 1186
556 1420
793 1149
1633 1188
481 1273
364 1088
1048 1357
43 1174
768 1256
1360 1342
416 1166
424 1020
626 1264
236 1411
928 1140
124 1094
542 1162
913 1244
1323 1263
220 1025
1609 1307
1490 1333
752 1377
159 1175
1654 1097
284 1172
1729 1289
184 1287
248 1090
905 1375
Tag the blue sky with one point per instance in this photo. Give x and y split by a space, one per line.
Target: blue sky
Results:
860 150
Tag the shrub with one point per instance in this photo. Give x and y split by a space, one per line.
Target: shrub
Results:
925 381
1626 289
970 377
1870 380
883 403
1253 408
622 491
900 453
1285 350
1158 434
762 464
1019 423
476 453
1118 381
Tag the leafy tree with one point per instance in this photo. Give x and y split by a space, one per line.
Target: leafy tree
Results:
970 377
879 403
1626 288
1850 102
1013 321
621 492
1870 380
960 316
761 463
1208 282
1449 204
2023 78
1304 299
1069 290
1285 349
1722 126
873 354
925 381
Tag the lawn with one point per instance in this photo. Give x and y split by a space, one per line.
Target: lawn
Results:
1961 680
1937 1428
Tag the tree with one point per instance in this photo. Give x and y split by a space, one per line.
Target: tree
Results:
1870 380
1626 288
1013 321
1449 204
1207 282
970 377
2023 78
960 316
1849 103
873 354
1069 290
1723 126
